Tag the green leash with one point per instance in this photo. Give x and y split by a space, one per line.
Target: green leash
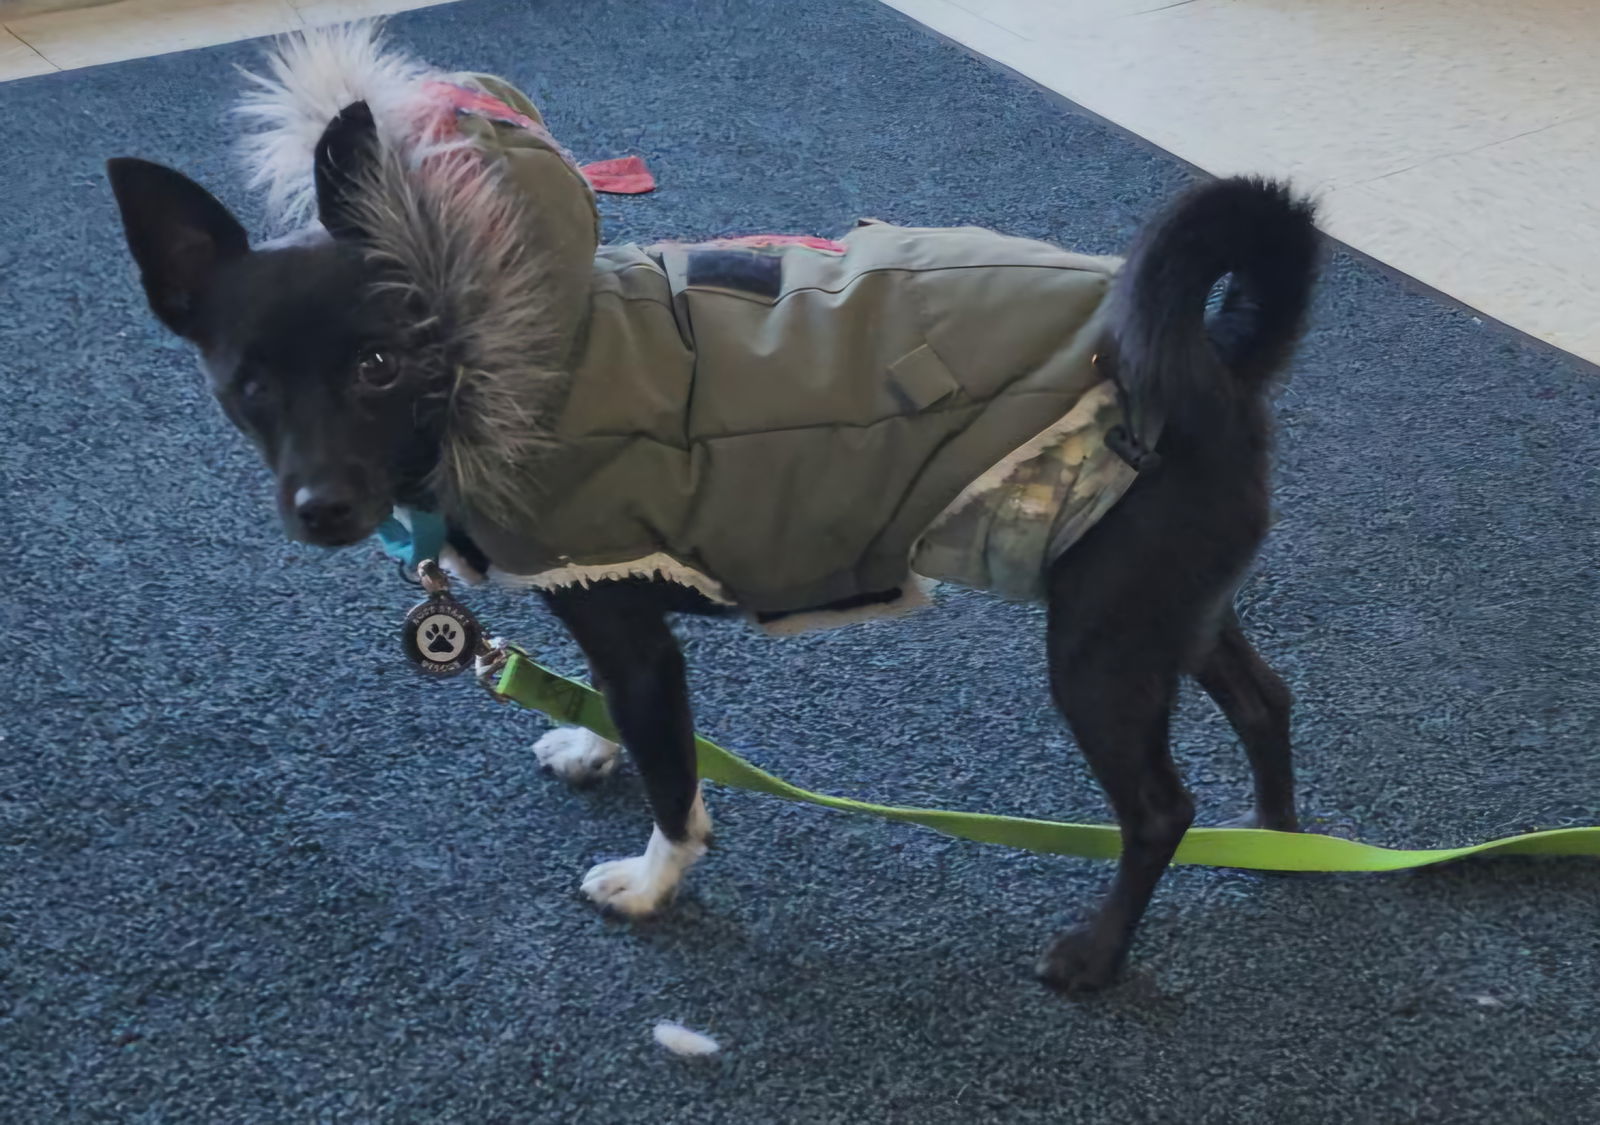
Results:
537 688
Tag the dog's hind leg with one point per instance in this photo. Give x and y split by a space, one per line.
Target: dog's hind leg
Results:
1114 668
1256 702
1137 601
640 669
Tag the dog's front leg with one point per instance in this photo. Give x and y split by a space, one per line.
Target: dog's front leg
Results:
638 666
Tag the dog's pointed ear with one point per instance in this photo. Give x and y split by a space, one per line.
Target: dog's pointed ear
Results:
346 156
178 233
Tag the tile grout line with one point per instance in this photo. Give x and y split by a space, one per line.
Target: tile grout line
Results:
960 7
1469 151
1163 8
1106 18
17 35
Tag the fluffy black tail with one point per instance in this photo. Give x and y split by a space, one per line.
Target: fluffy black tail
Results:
1171 359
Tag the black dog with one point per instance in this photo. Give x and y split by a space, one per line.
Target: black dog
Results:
308 356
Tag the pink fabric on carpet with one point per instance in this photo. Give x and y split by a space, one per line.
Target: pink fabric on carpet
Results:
623 175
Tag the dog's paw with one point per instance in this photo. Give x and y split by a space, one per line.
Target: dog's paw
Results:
636 887
642 884
1077 963
577 756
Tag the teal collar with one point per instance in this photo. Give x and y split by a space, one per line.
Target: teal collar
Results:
412 536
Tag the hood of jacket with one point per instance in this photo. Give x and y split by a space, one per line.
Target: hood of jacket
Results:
475 210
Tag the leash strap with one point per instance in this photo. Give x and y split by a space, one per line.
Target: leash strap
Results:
531 685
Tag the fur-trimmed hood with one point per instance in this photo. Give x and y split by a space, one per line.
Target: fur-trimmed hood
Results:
476 214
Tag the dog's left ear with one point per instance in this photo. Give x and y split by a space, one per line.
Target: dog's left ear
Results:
346 156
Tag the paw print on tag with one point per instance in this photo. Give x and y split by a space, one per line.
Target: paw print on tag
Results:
442 638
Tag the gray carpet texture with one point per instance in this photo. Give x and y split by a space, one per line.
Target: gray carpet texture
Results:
254 869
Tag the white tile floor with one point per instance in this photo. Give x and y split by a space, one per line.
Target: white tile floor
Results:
1452 139
129 29
1457 140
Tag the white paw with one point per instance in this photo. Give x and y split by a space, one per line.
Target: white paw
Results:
635 887
577 756
642 884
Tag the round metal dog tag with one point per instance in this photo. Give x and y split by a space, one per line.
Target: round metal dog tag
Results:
440 637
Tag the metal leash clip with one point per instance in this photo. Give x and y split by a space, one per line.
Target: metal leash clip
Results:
492 659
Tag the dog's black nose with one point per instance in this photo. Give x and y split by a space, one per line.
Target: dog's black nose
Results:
324 515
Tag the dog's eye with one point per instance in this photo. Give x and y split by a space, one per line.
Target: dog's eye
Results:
252 390
376 371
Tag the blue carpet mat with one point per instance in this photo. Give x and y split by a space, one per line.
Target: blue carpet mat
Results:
252 869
